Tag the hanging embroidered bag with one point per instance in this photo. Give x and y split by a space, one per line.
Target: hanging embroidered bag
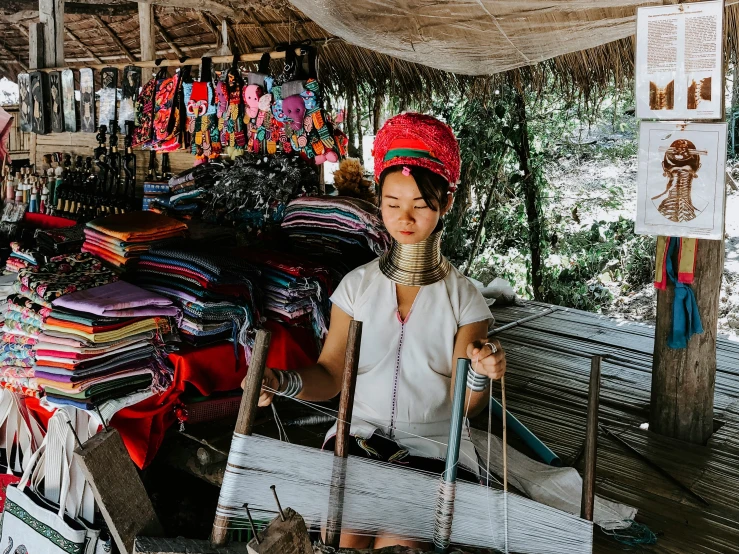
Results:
145 110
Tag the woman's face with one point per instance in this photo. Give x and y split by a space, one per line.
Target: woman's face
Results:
406 216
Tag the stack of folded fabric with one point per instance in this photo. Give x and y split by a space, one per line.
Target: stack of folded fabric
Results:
100 344
54 242
184 193
296 291
213 290
348 230
20 258
29 307
121 239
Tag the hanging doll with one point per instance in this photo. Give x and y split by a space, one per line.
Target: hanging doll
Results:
257 112
233 138
304 126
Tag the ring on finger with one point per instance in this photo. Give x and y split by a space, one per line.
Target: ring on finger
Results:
493 348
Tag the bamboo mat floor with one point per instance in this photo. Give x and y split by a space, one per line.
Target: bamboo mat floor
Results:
547 390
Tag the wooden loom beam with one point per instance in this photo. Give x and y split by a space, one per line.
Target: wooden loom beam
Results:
587 503
247 414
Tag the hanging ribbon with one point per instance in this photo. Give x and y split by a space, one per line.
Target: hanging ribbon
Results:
686 320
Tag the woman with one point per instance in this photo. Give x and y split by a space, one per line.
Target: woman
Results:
419 316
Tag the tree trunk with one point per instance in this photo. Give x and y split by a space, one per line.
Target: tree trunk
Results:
683 381
360 132
531 196
481 224
377 112
735 108
350 127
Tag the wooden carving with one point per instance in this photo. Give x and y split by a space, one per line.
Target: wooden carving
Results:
129 92
69 103
24 92
56 97
109 86
87 100
40 103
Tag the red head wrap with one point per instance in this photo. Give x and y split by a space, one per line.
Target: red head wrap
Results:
413 139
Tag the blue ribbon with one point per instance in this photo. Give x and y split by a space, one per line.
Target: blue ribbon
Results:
686 320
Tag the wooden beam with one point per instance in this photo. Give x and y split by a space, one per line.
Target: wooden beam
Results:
118 489
82 45
212 6
176 49
21 29
683 381
13 57
51 16
108 9
147 38
36 46
104 26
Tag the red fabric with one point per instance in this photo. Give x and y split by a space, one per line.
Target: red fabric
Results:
43 221
209 369
5 480
41 414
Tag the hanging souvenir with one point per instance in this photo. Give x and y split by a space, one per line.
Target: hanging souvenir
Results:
233 138
129 91
108 91
302 124
175 125
57 102
202 120
144 109
24 94
40 103
258 115
69 104
164 110
87 100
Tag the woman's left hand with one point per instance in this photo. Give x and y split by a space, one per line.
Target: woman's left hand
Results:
488 358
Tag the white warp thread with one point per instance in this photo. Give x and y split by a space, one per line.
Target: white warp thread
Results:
383 498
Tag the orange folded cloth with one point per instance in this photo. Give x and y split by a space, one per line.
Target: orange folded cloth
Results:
138 226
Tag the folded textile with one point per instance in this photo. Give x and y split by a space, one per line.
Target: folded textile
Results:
138 226
107 256
65 274
139 326
119 299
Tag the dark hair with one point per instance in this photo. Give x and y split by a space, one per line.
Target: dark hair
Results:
434 188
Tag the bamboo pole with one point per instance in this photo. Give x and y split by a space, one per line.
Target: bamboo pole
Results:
587 503
247 414
346 406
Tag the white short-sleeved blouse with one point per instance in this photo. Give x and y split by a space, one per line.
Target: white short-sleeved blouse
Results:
405 367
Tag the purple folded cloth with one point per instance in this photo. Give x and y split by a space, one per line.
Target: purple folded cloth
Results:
119 299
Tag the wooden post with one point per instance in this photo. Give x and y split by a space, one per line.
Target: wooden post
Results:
117 488
343 425
51 16
247 413
683 381
587 503
146 32
36 46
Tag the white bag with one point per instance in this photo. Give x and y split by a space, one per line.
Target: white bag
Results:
17 429
27 520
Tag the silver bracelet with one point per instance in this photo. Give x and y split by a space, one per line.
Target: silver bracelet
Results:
294 383
477 382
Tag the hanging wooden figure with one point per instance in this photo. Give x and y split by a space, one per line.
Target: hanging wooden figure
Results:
87 100
129 91
40 103
69 103
24 93
57 102
108 91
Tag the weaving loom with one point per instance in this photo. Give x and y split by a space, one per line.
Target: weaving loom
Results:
370 497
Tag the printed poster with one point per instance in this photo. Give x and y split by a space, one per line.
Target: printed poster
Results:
681 181
679 61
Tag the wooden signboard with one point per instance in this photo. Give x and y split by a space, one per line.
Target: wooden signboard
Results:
129 91
24 93
87 100
40 121
109 82
69 103
56 98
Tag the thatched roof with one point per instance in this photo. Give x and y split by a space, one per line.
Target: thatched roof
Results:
582 44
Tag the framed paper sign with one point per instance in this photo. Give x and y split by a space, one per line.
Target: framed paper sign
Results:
681 182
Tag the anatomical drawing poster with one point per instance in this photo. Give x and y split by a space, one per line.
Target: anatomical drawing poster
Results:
679 61
680 184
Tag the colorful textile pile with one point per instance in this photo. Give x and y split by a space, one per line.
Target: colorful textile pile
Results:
100 344
29 307
185 193
213 290
296 291
54 242
120 239
20 258
348 229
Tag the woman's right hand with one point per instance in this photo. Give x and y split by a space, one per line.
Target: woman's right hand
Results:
270 383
